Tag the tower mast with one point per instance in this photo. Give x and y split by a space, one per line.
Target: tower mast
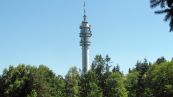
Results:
85 34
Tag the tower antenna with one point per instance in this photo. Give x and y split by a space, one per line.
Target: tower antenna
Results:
84 7
85 11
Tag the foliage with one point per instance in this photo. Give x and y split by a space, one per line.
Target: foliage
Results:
161 79
131 83
144 80
115 86
32 94
101 67
29 81
72 83
136 82
89 85
166 7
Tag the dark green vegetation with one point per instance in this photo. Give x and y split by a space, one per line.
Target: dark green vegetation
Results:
166 7
144 80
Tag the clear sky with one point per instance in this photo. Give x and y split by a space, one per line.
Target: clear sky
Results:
47 32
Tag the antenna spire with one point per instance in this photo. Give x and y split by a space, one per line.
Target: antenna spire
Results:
84 7
85 11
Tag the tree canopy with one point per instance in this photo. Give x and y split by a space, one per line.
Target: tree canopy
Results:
166 7
146 79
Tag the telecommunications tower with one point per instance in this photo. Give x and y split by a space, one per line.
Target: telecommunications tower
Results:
85 34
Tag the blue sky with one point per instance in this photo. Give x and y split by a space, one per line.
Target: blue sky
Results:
47 32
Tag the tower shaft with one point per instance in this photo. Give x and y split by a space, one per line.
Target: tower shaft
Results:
85 34
85 59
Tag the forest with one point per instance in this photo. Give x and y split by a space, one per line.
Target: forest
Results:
104 79
146 79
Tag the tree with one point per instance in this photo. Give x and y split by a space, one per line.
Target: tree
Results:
101 67
1 86
32 94
136 82
89 85
160 79
72 80
98 65
30 81
59 86
116 69
145 80
47 84
166 7
17 82
115 86
131 83
160 60
107 63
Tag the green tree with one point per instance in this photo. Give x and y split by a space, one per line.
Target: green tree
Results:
101 67
30 81
1 87
72 80
17 82
166 7
32 94
115 86
59 86
161 79
142 68
46 83
107 63
131 83
160 60
89 85
116 68
98 65
136 81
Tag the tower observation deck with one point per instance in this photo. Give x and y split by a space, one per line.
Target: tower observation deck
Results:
85 34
